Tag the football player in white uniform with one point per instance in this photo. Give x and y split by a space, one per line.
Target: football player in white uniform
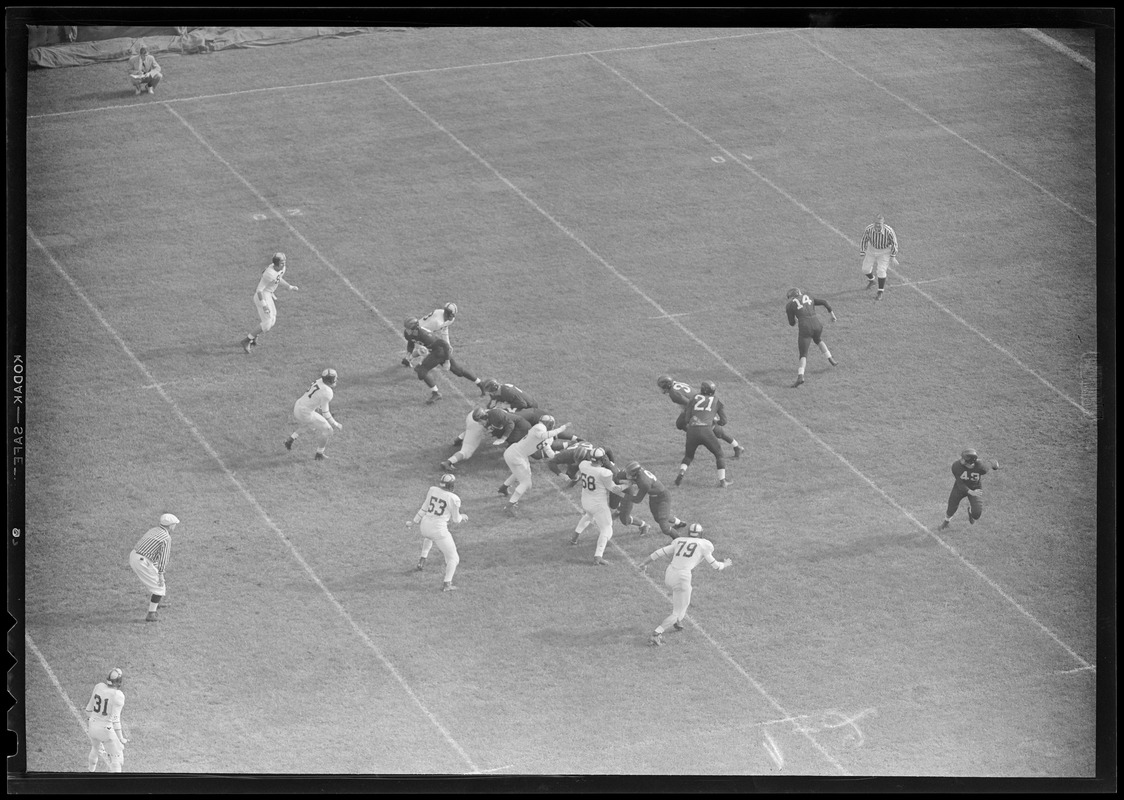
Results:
470 440
518 457
686 552
314 414
596 479
440 506
104 723
272 277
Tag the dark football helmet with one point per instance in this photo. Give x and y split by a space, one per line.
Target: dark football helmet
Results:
708 387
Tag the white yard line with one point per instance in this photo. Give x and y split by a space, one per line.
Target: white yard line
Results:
252 500
1057 46
55 681
918 110
740 161
734 371
319 84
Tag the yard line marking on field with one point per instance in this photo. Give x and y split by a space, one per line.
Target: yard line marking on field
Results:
773 751
54 680
479 65
930 280
734 371
1054 44
1090 668
252 500
710 140
917 109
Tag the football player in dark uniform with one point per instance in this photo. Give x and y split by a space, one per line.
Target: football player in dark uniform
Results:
967 475
704 412
439 353
681 394
801 308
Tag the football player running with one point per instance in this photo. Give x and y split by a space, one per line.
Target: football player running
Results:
801 308
643 482
314 414
686 552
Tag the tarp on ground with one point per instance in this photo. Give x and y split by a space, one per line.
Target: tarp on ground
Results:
196 40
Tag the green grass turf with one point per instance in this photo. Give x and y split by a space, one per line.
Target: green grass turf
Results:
839 606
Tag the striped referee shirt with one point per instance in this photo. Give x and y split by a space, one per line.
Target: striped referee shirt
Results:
156 546
879 238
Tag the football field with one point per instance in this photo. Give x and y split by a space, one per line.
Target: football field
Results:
604 206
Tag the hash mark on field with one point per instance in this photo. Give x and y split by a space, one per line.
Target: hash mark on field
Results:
745 380
253 501
710 140
773 751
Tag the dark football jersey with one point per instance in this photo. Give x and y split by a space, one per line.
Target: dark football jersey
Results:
680 393
969 476
647 483
803 308
514 397
706 409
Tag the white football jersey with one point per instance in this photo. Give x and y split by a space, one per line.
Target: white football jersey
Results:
537 439
317 398
687 551
439 507
596 482
270 279
106 703
435 322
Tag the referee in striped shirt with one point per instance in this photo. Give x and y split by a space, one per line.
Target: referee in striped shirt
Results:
149 559
879 245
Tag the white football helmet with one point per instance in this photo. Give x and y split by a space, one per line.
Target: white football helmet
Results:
447 480
329 376
115 678
695 529
548 421
279 260
450 310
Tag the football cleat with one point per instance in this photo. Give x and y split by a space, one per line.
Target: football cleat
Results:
738 451
421 564
503 489
943 525
598 561
574 539
433 398
799 381
677 627
722 484
447 586
405 362
870 282
879 295
679 478
679 525
447 466
151 617
321 457
971 520
655 640
833 362
289 443
511 509
247 343
644 528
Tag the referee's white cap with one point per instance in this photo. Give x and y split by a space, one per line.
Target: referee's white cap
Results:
169 519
